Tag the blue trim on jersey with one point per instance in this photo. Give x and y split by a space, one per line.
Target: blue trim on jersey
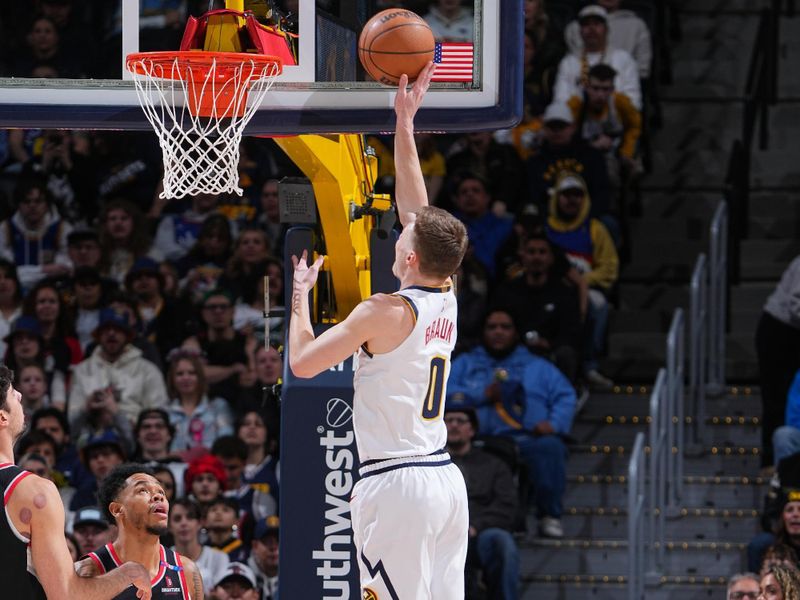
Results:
379 569
424 288
374 461
441 463
411 304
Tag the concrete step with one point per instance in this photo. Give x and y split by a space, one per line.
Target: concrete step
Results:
775 226
766 260
655 229
633 402
641 320
591 587
602 433
653 296
678 204
751 296
613 460
592 556
729 492
735 526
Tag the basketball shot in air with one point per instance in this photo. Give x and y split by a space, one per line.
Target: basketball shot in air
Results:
395 42
409 509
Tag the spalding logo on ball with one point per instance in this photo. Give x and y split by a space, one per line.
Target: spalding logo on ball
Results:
339 412
395 42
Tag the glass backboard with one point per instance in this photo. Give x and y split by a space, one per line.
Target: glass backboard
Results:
67 70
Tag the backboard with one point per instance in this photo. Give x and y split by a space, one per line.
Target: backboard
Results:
84 84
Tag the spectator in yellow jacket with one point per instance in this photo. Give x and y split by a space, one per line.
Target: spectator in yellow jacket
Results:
590 248
608 121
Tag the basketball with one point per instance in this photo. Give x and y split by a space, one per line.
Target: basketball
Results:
394 42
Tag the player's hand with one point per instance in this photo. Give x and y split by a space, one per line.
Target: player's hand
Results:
140 578
407 102
304 276
543 428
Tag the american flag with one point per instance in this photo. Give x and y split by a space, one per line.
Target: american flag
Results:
453 61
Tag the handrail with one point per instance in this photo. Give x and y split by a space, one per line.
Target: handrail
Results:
698 341
636 521
761 92
675 391
717 299
657 471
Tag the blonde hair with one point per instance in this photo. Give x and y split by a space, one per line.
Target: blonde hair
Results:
440 241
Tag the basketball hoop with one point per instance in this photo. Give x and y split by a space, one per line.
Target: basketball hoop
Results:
199 104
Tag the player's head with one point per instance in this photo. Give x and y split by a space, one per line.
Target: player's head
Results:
12 419
432 246
135 499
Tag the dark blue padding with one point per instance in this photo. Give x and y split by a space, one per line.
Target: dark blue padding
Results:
506 113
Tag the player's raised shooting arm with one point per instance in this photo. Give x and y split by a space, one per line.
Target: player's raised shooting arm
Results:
410 192
37 503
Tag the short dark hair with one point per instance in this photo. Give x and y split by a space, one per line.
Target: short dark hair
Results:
602 72
34 438
114 483
26 185
440 241
6 383
229 446
231 503
192 508
50 411
153 412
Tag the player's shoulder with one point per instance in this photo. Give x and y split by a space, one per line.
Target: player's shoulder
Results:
378 304
30 485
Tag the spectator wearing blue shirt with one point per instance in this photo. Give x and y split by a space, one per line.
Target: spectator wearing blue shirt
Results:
487 232
526 398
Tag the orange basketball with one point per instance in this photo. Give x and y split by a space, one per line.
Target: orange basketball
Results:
395 42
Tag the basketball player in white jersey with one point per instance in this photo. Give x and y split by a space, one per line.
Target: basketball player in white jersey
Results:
409 509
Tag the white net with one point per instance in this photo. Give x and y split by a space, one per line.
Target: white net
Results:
199 109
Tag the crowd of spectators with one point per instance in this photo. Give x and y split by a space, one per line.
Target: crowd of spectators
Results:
135 324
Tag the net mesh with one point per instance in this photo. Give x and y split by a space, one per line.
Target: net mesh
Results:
199 107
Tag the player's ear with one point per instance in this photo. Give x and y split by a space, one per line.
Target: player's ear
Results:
116 509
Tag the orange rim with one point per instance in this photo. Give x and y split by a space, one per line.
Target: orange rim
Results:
199 61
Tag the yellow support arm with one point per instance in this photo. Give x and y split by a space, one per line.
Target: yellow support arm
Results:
341 172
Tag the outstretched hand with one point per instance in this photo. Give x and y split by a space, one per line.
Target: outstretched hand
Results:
407 102
140 579
304 276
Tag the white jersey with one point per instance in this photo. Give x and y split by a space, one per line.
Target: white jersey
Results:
399 395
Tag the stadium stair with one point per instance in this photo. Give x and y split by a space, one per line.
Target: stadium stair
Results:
702 114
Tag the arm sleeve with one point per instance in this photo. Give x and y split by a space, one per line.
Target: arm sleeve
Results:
793 403
165 240
606 261
631 124
628 79
572 37
561 401
643 50
457 391
565 86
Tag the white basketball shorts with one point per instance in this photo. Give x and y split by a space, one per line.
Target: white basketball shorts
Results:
410 528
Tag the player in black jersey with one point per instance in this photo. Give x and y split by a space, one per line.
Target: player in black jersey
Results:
133 498
34 515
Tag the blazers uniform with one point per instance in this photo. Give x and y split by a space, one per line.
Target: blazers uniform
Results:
168 584
16 580
409 509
